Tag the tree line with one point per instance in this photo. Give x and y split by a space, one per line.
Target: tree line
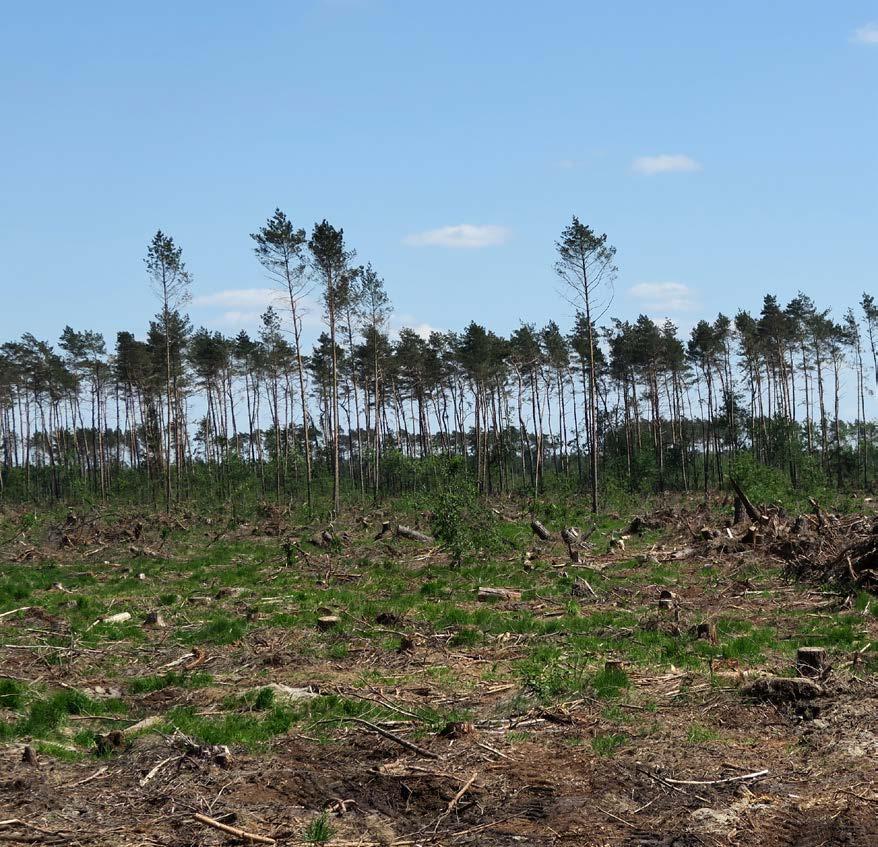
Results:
606 404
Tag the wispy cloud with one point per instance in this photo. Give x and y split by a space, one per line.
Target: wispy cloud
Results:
866 34
664 297
665 163
239 297
464 236
243 307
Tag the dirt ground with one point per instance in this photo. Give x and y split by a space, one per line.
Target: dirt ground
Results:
608 700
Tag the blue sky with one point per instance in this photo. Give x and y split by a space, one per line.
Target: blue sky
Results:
726 149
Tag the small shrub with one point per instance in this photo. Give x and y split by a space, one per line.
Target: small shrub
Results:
550 674
264 699
460 520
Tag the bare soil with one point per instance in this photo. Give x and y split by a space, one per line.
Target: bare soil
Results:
678 754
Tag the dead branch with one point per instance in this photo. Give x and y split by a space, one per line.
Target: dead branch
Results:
390 736
455 800
233 830
741 778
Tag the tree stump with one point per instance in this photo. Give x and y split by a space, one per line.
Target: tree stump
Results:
739 511
570 535
327 622
811 661
752 536
667 599
154 619
706 631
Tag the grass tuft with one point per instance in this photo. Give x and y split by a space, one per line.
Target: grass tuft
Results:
319 831
606 744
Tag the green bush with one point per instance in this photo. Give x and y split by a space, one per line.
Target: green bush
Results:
459 518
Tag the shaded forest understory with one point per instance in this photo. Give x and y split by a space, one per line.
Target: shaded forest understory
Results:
607 407
666 678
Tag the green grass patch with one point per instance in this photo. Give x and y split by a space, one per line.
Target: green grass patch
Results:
12 694
46 715
220 630
59 751
609 683
699 734
179 679
607 744
246 730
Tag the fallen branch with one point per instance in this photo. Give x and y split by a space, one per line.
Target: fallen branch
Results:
96 775
455 800
153 771
390 736
742 778
19 822
233 830
147 723
412 534
463 789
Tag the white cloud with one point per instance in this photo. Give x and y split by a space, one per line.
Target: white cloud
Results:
866 34
460 236
241 297
243 307
665 163
235 319
664 297
422 328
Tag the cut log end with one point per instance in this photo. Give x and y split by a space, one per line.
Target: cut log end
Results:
412 534
540 530
485 593
328 622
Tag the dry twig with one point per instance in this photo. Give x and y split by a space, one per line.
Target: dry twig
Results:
233 830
